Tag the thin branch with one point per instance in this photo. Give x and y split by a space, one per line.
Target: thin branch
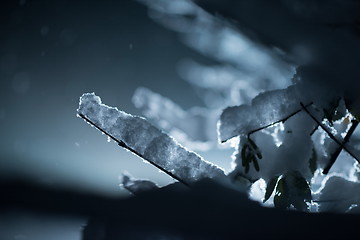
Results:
278 121
122 144
335 155
314 130
328 132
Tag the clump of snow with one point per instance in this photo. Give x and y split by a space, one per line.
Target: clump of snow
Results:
339 195
145 140
287 157
266 108
136 186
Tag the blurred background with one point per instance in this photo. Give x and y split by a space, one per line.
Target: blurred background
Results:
54 51
51 52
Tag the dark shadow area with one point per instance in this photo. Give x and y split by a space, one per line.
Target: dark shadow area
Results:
207 210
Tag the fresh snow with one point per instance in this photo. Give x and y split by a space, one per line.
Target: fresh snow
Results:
139 136
266 108
136 186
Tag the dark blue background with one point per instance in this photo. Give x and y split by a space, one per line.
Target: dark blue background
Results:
53 51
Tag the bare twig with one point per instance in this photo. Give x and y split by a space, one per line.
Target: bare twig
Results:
328 132
122 144
335 155
314 130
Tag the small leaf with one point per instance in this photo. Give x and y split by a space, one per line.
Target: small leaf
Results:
247 168
299 205
300 192
253 145
243 154
248 159
250 153
256 148
281 199
258 154
251 157
313 161
303 187
243 163
270 188
256 164
281 202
